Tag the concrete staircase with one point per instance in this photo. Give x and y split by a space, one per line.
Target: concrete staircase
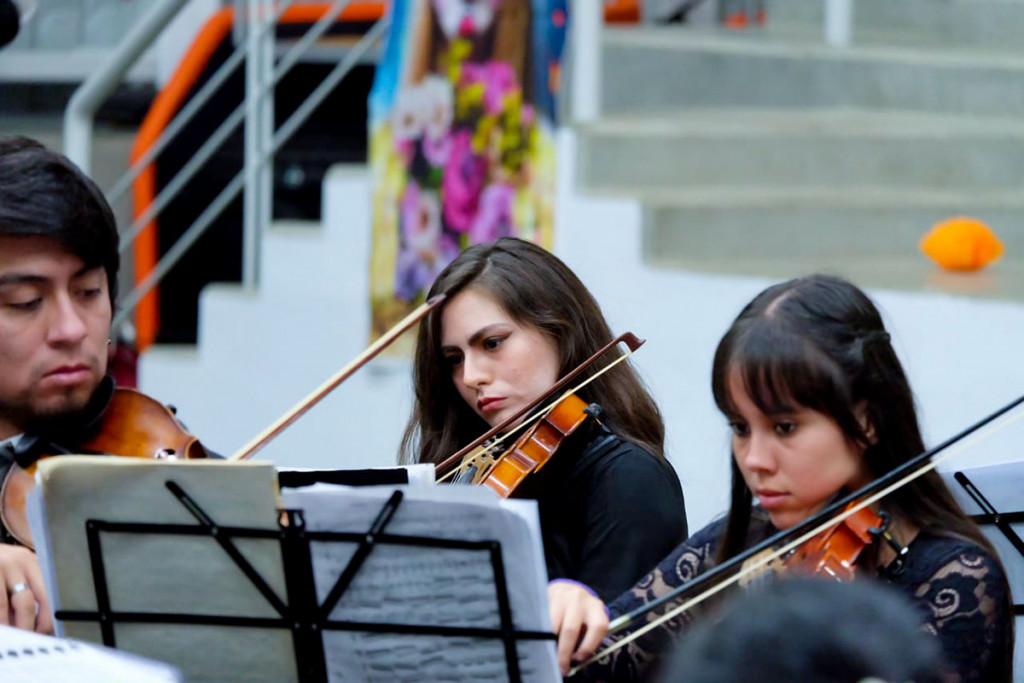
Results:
768 152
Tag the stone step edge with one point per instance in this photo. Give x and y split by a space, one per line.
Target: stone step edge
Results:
804 197
686 40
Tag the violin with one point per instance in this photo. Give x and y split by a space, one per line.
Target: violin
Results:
536 447
477 464
830 554
131 425
833 553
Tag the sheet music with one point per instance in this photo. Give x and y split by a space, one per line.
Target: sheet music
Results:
166 573
430 586
27 657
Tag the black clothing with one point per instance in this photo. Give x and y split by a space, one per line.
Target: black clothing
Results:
9 21
957 586
609 510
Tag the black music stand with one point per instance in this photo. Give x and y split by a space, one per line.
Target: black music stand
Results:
991 495
300 612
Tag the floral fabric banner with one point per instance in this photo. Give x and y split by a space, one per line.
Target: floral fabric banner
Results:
461 137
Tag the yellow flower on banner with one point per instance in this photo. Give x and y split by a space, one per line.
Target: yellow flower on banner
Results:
961 243
483 133
453 60
467 99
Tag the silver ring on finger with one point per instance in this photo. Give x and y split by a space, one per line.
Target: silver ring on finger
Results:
17 588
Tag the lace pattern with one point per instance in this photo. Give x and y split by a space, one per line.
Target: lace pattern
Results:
960 590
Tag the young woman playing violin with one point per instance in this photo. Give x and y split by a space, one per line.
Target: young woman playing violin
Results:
515 320
818 405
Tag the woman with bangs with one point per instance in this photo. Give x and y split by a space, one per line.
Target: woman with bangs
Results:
819 406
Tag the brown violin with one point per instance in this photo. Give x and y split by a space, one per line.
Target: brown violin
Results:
833 553
504 473
132 425
536 447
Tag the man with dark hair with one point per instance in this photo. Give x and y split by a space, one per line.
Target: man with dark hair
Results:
58 281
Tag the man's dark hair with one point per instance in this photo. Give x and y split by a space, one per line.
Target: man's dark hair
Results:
42 194
810 631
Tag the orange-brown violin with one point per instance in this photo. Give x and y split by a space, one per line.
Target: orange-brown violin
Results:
834 552
504 473
536 447
132 425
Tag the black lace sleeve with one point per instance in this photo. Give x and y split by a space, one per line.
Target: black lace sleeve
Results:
965 599
634 660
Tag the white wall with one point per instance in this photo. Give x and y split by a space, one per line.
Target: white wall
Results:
263 351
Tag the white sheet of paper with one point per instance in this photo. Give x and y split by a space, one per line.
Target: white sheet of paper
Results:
430 586
167 574
27 657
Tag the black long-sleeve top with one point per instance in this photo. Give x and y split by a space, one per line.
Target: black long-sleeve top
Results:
609 511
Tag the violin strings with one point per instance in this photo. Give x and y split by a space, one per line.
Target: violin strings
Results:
531 419
623 622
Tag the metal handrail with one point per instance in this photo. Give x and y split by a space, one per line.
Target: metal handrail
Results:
188 112
82 108
195 231
225 129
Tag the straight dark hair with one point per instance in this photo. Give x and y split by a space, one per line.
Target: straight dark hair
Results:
818 342
42 194
537 290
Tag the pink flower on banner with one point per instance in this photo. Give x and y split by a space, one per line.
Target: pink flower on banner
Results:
436 151
498 78
465 17
494 219
527 115
425 250
464 174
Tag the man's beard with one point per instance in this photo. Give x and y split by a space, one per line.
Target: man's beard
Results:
53 418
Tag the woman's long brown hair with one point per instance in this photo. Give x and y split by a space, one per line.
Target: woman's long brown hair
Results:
539 291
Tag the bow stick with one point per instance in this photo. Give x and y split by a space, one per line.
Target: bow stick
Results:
300 408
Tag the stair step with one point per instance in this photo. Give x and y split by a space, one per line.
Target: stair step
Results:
986 24
803 149
707 69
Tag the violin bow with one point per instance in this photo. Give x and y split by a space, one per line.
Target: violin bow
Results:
300 408
632 342
795 536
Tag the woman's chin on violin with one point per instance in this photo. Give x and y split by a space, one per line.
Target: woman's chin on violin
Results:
793 459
